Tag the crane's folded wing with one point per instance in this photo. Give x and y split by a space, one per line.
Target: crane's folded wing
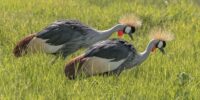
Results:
61 32
109 49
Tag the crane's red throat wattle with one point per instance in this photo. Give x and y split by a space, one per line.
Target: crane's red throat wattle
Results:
120 33
153 49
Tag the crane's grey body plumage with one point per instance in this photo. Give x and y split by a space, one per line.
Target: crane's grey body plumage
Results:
109 50
115 50
70 33
73 35
109 57
61 32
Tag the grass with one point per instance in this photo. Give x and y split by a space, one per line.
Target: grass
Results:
172 76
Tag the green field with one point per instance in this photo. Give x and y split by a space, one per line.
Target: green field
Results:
175 75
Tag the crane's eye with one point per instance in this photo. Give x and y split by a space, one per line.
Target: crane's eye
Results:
129 30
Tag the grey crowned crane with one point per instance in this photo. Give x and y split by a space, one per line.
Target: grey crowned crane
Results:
111 57
67 36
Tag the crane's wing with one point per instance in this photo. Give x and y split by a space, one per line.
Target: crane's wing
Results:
61 32
114 49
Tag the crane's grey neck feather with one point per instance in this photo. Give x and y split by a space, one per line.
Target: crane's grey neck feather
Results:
107 33
143 55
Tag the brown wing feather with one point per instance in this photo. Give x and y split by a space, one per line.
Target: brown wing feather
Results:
70 68
21 46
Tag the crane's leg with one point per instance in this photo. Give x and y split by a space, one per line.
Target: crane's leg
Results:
117 72
57 55
54 60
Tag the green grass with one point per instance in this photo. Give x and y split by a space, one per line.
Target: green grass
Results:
166 77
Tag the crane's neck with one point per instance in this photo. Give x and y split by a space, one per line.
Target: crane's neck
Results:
107 33
143 55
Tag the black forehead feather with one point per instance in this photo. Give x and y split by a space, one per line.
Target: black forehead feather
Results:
164 44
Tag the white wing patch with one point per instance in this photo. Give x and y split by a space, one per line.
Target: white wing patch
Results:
37 44
96 65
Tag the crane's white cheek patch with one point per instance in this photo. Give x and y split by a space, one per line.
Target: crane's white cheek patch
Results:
128 29
96 65
160 44
40 44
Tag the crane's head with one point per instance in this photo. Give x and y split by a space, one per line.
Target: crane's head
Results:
160 44
159 39
131 23
127 30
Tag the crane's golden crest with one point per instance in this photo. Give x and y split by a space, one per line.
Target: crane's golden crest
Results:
160 34
130 19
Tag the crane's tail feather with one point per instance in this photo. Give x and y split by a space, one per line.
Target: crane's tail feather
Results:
73 66
20 48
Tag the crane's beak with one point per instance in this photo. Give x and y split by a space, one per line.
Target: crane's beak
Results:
162 50
131 36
